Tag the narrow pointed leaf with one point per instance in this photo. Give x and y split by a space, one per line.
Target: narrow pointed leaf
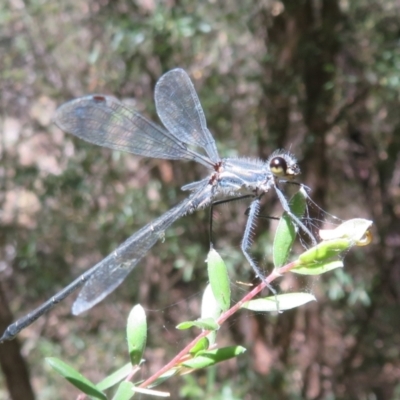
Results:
150 392
207 324
209 305
208 358
286 231
353 229
317 268
219 279
210 309
201 345
136 333
167 375
321 258
115 377
124 391
286 301
75 378
325 251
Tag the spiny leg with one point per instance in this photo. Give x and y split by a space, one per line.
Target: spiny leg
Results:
253 212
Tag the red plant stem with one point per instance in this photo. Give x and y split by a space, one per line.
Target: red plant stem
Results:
135 369
177 359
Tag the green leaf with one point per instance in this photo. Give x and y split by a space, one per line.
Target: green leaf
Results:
201 345
286 231
167 375
219 279
286 301
75 378
208 358
317 268
124 391
210 309
320 258
207 324
136 332
354 229
324 251
209 305
115 377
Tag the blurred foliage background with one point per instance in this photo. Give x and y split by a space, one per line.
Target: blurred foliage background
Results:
319 77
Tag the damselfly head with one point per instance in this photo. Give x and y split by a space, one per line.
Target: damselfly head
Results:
283 165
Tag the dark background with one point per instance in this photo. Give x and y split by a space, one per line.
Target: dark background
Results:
319 77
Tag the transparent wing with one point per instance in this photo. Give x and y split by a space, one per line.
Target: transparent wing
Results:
181 113
109 273
105 121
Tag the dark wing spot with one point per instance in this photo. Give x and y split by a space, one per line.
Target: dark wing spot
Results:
99 99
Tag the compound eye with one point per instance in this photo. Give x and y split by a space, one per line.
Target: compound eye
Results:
278 166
